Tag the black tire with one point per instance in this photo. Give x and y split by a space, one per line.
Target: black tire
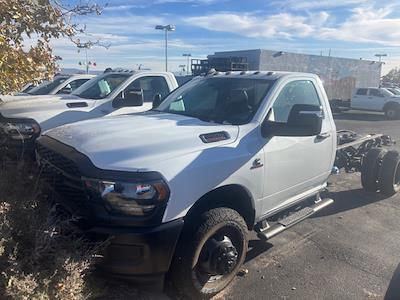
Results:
370 169
389 182
187 269
392 112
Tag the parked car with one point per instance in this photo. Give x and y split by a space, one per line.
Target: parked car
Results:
21 122
61 84
376 99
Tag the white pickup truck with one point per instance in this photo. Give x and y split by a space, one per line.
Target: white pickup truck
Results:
179 187
61 84
377 99
21 122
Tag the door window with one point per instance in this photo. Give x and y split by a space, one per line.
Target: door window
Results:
295 92
151 86
375 93
362 92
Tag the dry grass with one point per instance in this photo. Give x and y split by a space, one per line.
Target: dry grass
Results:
42 256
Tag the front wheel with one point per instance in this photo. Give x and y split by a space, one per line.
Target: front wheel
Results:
209 257
392 112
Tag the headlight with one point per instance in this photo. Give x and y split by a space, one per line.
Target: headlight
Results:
20 130
133 199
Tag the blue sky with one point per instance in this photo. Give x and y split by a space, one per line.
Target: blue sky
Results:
350 28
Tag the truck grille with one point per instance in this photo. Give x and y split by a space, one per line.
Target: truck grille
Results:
64 177
57 161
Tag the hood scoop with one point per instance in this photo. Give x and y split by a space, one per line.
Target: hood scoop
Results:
214 137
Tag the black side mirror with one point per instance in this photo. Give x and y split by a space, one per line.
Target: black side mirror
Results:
129 98
157 100
65 90
303 120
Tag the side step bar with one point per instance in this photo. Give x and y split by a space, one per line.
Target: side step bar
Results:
268 232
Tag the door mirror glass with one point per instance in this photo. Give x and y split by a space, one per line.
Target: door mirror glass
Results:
129 98
157 100
65 90
303 120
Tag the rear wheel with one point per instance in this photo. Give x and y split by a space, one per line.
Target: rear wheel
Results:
210 256
390 174
370 169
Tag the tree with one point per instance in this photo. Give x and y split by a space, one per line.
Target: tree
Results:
37 21
392 78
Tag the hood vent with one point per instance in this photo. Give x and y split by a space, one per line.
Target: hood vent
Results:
214 137
77 104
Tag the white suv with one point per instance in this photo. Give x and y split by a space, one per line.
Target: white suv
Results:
377 99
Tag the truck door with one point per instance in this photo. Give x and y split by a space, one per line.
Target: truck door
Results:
296 165
149 86
376 99
360 99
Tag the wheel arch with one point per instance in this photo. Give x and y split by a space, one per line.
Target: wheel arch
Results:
234 196
391 104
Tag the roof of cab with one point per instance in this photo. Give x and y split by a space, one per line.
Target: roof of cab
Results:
258 74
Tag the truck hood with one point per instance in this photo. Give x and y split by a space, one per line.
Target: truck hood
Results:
138 142
21 97
40 108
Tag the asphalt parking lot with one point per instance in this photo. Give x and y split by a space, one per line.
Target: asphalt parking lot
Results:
348 251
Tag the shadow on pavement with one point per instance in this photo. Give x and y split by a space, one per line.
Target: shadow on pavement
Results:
348 200
364 116
393 291
257 247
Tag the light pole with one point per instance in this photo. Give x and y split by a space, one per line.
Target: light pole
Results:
188 55
380 55
166 28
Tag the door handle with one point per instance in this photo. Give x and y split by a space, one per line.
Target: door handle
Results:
323 136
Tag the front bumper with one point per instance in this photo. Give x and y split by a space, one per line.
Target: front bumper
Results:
138 253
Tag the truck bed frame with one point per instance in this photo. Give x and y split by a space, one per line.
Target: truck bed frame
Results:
352 148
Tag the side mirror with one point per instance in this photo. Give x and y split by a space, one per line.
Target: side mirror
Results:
303 120
65 90
157 100
129 98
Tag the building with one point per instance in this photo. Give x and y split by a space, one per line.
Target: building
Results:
340 75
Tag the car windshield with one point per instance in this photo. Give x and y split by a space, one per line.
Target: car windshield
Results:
101 86
221 100
394 91
47 87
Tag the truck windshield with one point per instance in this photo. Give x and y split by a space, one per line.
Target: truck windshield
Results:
47 87
220 100
394 91
101 86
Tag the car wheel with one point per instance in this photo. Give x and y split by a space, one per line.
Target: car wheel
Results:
392 112
370 169
210 256
390 174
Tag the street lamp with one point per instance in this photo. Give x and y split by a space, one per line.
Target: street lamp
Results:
166 28
188 55
380 55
